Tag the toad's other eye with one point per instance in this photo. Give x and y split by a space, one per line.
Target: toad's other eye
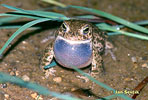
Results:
64 27
85 30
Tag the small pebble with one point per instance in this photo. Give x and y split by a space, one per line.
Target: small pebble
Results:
12 73
17 73
73 89
127 79
34 95
24 42
6 96
134 59
17 61
57 79
145 65
3 85
9 69
25 78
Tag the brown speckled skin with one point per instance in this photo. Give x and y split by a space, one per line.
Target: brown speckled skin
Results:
74 31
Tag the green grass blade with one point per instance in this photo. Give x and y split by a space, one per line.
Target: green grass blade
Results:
99 83
134 35
17 26
114 18
33 86
144 22
104 26
86 16
24 27
18 15
109 97
94 80
55 3
38 13
7 19
89 77
41 13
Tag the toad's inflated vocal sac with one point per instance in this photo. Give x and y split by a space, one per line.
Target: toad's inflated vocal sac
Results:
78 43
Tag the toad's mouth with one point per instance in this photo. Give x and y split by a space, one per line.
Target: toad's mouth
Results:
73 41
70 53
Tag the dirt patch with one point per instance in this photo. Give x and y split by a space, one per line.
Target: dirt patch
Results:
123 74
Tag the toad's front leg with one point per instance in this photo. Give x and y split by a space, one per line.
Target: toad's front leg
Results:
47 59
97 64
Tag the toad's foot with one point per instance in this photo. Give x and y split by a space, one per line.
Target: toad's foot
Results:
50 71
84 78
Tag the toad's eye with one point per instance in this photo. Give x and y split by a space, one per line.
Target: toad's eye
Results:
85 30
64 27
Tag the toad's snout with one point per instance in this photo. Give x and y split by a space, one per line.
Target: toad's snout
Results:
70 53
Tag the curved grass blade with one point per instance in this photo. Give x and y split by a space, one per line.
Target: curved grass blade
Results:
144 22
18 26
24 27
101 84
41 13
52 64
114 18
7 19
38 13
96 81
33 86
109 97
18 15
104 26
85 74
86 16
55 3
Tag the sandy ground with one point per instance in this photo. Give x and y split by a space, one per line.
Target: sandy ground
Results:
22 58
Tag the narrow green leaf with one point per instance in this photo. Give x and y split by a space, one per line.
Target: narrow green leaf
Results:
7 19
114 18
24 27
36 87
55 3
143 22
41 13
17 26
18 15
106 27
86 16
99 83
38 13
96 81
